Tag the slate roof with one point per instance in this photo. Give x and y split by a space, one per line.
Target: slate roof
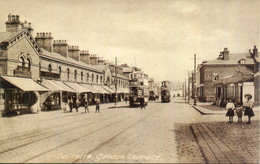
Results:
234 58
54 55
7 36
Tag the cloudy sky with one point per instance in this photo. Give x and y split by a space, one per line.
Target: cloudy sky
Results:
160 35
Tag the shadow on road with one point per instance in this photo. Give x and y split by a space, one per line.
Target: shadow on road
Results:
122 106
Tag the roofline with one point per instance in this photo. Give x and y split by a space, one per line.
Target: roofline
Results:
69 63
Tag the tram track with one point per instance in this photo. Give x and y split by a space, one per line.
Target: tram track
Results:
61 131
35 131
75 139
117 134
103 143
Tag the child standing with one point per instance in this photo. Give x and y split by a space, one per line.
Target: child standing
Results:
230 107
239 112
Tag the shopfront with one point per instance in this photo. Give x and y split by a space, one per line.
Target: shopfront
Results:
21 95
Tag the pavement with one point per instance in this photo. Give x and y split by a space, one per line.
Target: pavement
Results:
206 108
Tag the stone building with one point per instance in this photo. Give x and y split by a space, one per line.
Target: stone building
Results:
225 65
43 74
19 67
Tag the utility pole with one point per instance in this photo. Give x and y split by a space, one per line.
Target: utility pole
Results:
195 89
116 80
188 86
185 88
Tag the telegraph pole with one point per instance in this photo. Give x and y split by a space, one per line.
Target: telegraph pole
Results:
195 89
188 87
116 79
185 88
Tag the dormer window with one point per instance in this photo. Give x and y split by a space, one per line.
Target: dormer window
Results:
242 61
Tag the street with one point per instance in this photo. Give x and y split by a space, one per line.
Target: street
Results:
159 133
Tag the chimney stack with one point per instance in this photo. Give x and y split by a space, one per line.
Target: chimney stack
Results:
44 40
74 52
93 59
225 54
84 56
13 23
61 47
255 52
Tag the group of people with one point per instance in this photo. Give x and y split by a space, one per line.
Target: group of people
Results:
247 107
76 104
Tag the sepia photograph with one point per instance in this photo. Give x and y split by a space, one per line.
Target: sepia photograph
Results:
129 81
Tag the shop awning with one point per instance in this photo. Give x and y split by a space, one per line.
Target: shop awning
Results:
119 90
78 88
126 90
108 89
51 85
235 78
90 88
25 84
102 90
64 86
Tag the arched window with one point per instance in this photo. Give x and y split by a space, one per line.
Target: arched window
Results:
75 75
29 63
60 70
49 68
87 77
92 78
68 74
101 78
81 76
40 66
22 61
97 79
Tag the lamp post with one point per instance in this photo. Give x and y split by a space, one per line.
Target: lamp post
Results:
195 90
116 80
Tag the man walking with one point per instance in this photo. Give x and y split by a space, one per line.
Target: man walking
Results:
86 104
71 104
142 104
97 107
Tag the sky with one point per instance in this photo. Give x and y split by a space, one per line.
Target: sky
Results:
159 36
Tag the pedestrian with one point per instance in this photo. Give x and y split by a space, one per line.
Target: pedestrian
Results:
126 100
97 107
85 101
248 105
142 104
71 104
230 107
77 104
239 112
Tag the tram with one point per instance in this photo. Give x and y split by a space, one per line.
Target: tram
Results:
165 91
138 86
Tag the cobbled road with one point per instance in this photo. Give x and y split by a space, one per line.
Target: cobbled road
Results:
159 133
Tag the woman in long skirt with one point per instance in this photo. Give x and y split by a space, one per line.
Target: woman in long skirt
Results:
248 105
